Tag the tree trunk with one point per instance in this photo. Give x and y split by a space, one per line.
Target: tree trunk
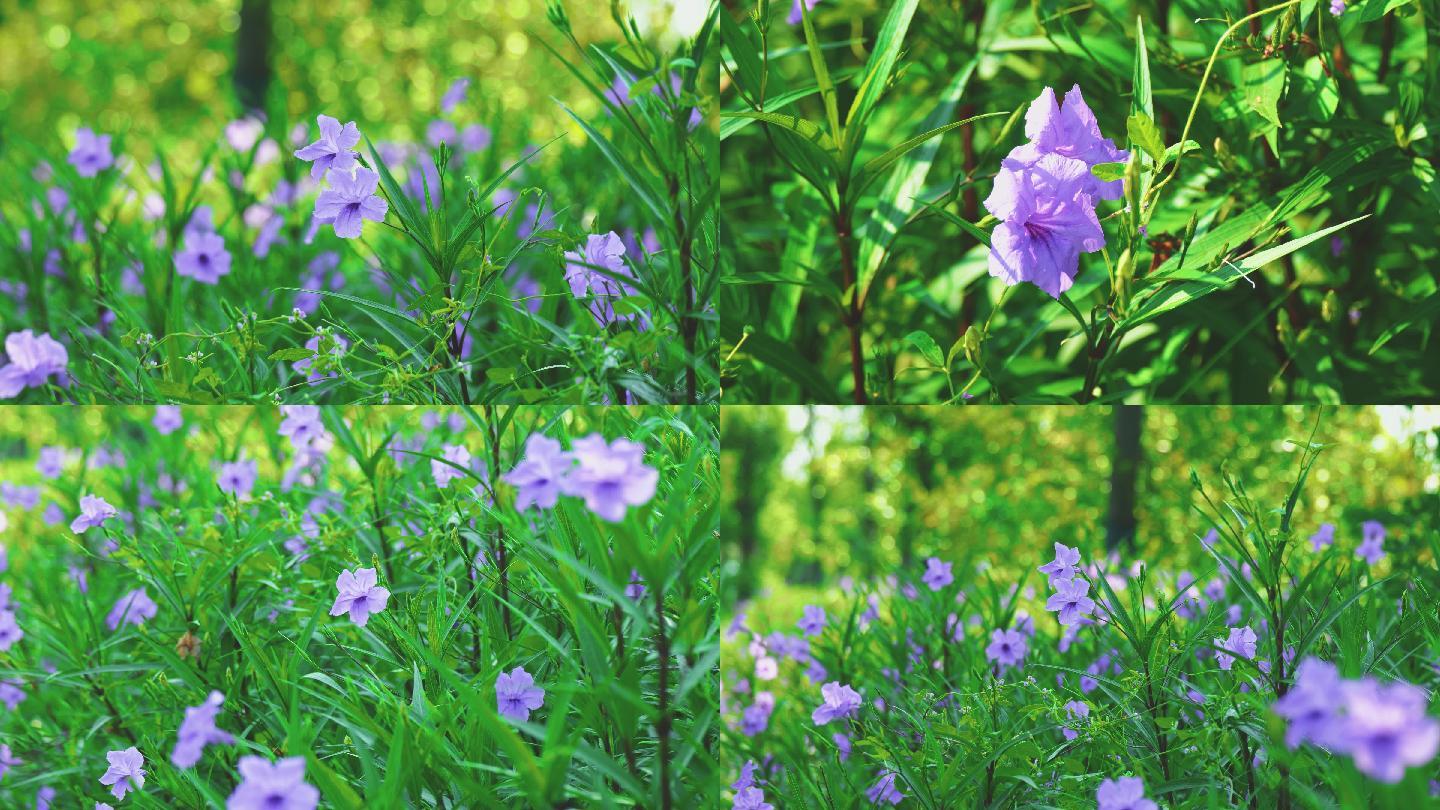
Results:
252 54
1124 473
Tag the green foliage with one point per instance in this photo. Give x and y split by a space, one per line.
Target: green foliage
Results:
1273 243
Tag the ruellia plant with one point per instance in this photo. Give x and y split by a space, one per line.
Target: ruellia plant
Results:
252 607
1062 202
313 256
1294 666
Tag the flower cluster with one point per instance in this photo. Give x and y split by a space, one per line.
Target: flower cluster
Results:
1069 601
1045 195
1384 727
351 196
610 477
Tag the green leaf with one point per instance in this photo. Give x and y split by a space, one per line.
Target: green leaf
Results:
1141 101
292 354
878 68
1144 134
927 347
1108 171
1264 82
822 72
1424 312
809 130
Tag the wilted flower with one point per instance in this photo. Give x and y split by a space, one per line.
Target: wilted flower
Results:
840 701
125 772
188 646
517 694
94 511
273 786
32 362
359 595
198 730
334 150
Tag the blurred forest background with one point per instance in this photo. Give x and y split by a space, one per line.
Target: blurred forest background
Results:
175 73
815 493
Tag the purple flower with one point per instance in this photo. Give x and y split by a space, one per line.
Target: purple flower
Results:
350 199
444 473
7 760
884 790
454 94
359 595
273 786
167 419
751 798
635 591
517 694
1310 706
795 17
198 730
812 623
135 607
1069 130
474 138
583 271
1370 548
125 772
1387 729
747 776
1323 536
1075 710
842 745
33 361
204 258
10 632
840 701
1125 793
540 476
1063 566
1240 643
937 574
93 512
755 719
91 154
51 461
317 343
12 693
611 477
43 797
1070 600
1007 648
440 131
237 478
1047 220
1337 7
334 150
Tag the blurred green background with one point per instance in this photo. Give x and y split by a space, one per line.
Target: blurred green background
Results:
812 494
153 69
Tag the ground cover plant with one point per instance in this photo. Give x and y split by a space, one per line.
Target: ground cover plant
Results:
1265 638
1161 201
252 607
536 224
